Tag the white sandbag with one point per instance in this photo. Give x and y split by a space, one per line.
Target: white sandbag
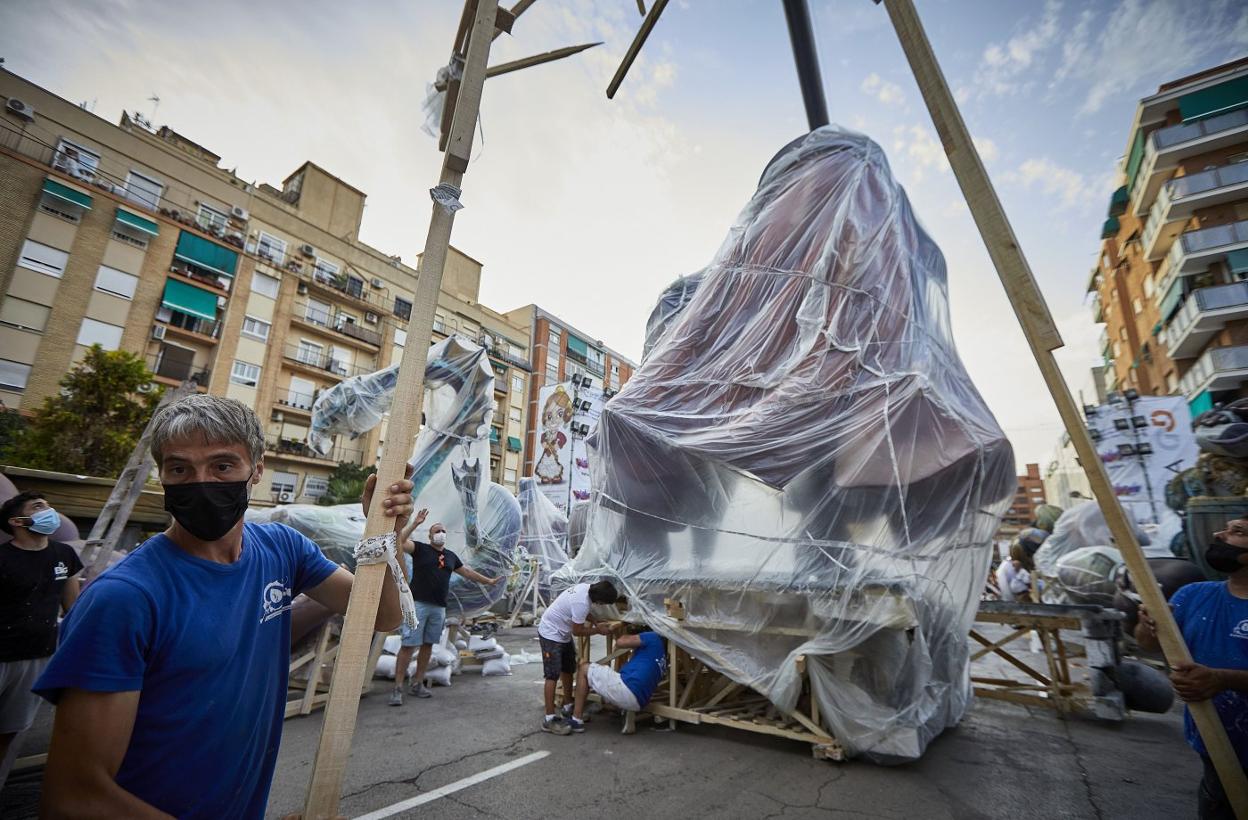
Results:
439 677
441 656
385 667
461 644
392 644
478 644
496 666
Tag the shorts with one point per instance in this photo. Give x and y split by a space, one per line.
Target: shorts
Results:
18 704
557 658
430 620
607 682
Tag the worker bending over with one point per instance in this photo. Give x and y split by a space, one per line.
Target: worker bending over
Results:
568 615
629 689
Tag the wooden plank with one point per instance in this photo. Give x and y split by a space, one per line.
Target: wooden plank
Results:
29 762
1037 323
325 787
1011 659
515 11
314 674
1053 622
634 47
1013 636
538 59
693 680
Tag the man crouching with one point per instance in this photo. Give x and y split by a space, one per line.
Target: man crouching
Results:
629 689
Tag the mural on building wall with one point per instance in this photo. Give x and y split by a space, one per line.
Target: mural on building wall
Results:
568 413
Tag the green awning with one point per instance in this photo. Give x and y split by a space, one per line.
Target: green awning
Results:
578 346
493 435
1201 403
1134 158
66 193
208 255
513 444
1215 100
137 222
1110 228
189 299
1237 261
1173 298
1118 202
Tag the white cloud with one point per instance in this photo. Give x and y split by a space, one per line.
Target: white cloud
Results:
1072 188
988 151
915 146
883 90
1007 67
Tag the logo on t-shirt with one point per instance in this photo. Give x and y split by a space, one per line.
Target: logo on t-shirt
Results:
274 600
1240 630
60 572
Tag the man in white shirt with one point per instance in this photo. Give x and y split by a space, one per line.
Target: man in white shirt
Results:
564 618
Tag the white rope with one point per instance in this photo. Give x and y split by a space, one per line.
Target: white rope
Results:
378 549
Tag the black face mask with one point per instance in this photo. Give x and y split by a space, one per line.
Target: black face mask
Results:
1223 557
207 509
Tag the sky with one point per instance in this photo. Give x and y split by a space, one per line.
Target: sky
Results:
589 207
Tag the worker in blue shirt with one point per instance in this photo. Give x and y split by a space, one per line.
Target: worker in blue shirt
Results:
629 689
1213 617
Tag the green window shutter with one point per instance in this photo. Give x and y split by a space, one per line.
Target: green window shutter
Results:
137 222
1118 202
189 299
493 435
208 255
1237 261
1110 228
513 444
1219 98
1135 158
1170 302
578 346
66 193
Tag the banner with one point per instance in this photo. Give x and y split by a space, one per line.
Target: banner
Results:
568 412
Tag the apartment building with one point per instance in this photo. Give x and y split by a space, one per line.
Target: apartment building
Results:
1170 283
136 239
560 352
1029 495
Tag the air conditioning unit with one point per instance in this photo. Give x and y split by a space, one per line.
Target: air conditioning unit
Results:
20 109
158 331
240 213
371 317
285 498
377 283
303 289
307 250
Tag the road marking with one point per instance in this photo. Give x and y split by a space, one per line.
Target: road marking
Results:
451 788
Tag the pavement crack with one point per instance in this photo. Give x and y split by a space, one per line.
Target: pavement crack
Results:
1083 771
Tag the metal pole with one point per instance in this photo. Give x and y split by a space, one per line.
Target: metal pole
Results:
797 13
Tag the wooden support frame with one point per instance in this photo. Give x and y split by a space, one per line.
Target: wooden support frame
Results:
350 672
1033 315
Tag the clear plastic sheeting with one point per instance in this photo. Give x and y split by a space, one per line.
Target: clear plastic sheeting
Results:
1085 576
451 460
671 303
1078 527
544 533
803 463
336 530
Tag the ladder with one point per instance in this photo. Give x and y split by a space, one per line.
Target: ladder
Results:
114 516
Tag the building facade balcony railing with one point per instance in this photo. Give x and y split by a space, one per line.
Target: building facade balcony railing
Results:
336 321
1175 141
294 400
341 284
1166 210
284 446
1219 368
174 367
200 330
323 361
1194 251
1203 314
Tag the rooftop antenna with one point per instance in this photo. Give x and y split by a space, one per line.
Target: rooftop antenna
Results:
156 104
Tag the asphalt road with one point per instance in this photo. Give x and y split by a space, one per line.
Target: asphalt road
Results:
1003 761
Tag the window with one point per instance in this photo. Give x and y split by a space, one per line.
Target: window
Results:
1122 333
515 351
256 328
96 332
514 415
118 283
73 159
212 220
265 285
1117 349
317 312
271 248
400 337
247 375
402 308
136 241
315 486
1136 306
42 258
1148 286
552 370
143 189
309 352
326 271
509 475
22 314
517 383
439 323
14 374
284 482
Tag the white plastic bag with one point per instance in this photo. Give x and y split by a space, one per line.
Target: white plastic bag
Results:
496 666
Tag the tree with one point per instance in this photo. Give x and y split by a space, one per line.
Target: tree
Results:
12 427
92 425
346 484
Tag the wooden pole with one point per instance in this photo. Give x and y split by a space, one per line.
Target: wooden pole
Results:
634 48
1042 336
325 788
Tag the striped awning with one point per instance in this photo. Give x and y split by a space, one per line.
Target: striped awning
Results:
137 222
67 194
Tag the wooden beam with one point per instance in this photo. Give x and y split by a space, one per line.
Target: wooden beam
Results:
350 669
515 11
1033 314
634 48
537 59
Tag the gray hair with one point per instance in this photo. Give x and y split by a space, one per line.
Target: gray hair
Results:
215 419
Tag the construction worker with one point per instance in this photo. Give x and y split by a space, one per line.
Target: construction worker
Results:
170 680
629 689
568 615
38 580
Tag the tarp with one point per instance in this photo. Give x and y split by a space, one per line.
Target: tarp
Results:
544 531
803 462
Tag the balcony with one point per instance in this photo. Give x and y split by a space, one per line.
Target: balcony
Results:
298 450
1184 195
295 402
338 322
1098 310
341 284
1197 250
173 365
219 285
1220 368
192 329
1202 316
1165 147
322 363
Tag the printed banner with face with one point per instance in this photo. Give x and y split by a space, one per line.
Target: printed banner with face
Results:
567 414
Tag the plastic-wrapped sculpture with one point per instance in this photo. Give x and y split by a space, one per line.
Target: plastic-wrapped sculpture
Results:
450 463
544 533
803 462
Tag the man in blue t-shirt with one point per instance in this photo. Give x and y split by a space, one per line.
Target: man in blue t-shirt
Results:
170 677
1213 617
629 689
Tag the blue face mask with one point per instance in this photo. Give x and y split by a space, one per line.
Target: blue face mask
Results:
45 522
